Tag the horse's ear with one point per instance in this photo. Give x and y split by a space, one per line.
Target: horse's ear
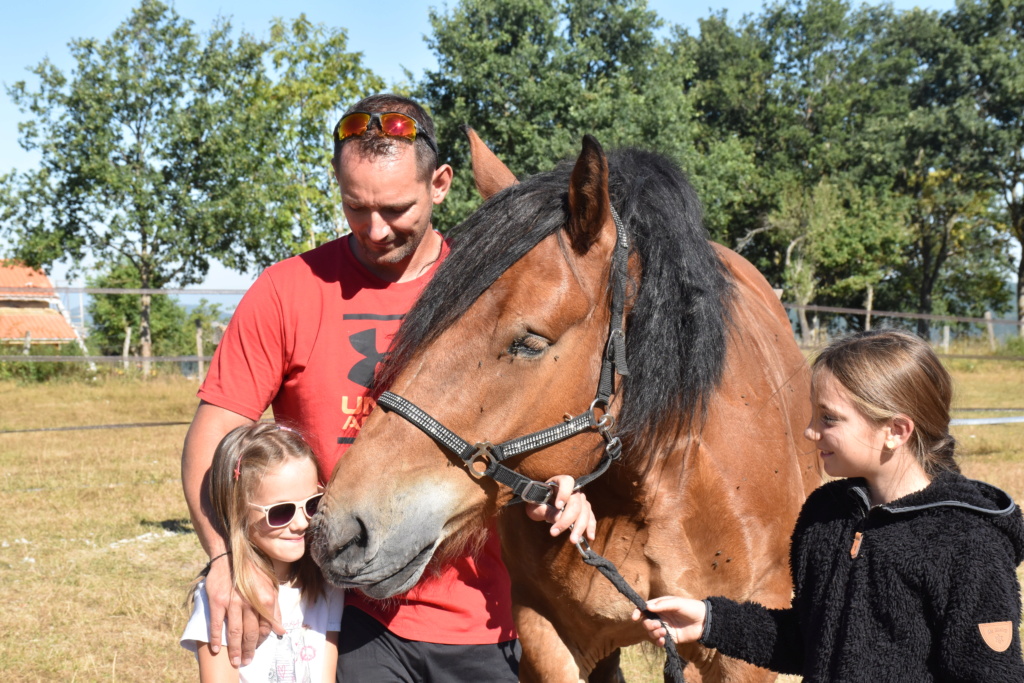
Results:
589 207
489 173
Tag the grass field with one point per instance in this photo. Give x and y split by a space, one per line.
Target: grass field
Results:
96 548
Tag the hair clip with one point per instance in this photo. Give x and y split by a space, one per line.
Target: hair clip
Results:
238 465
286 429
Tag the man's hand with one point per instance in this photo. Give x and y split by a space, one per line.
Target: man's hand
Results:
246 629
567 511
684 618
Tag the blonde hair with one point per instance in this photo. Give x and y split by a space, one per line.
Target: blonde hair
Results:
888 373
242 458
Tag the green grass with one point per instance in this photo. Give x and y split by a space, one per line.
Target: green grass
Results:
96 549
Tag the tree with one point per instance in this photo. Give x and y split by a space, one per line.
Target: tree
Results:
532 77
940 166
165 148
955 262
790 88
836 238
991 33
316 80
173 327
112 315
728 88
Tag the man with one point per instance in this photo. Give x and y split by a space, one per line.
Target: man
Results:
306 339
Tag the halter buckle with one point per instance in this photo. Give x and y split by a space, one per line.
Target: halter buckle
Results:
481 460
552 490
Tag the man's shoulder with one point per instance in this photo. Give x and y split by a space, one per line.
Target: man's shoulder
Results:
322 261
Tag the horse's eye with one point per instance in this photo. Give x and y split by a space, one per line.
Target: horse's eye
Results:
528 346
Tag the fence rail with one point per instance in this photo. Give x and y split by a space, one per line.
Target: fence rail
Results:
103 359
901 314
17 291
815 337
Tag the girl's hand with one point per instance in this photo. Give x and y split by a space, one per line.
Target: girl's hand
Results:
568 509
684 618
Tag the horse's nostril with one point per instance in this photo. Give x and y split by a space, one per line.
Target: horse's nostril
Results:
358 540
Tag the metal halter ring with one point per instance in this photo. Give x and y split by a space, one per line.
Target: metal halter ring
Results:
484 456
606 424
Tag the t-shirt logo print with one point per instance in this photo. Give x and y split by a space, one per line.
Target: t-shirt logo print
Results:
365 343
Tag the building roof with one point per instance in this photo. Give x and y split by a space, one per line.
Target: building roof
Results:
45 325
14 274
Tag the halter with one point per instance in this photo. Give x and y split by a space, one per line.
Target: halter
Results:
484 459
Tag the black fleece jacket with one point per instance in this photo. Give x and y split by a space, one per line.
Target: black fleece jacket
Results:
929 594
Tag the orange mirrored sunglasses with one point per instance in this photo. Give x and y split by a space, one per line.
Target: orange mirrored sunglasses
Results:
392 123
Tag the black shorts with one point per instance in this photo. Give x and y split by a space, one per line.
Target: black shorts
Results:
369 653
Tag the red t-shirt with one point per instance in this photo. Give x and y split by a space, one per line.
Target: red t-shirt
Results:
306 338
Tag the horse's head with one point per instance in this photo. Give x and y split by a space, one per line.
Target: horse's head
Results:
505 341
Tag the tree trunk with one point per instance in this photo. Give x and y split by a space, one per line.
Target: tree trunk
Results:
924 327
145 334
805 329
1020 290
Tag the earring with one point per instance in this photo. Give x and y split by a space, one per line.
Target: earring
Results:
890 444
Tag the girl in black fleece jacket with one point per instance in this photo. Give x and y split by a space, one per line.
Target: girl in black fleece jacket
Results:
902 571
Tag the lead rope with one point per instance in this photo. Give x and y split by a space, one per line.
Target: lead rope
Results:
674 664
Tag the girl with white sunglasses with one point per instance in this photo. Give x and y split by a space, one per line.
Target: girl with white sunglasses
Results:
263 490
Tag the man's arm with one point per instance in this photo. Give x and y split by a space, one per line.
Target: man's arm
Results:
208 427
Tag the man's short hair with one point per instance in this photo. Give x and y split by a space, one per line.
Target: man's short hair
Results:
373 143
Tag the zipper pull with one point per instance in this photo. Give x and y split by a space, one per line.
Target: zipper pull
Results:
855 548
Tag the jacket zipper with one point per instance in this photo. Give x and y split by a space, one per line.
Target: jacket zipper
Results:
855 548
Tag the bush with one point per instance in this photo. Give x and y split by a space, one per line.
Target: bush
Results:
1014 346
43 371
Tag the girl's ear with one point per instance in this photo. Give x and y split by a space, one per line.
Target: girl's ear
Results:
900 429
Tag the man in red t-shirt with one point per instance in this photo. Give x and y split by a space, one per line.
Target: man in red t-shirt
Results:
306 339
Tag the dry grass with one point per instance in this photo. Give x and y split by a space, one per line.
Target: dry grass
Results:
96 549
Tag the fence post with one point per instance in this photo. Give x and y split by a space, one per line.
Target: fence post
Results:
26 348
991 330
127 343
199 346
869 305
1020 315
945 338
815 331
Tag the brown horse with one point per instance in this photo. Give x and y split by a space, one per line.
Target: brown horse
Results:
508 338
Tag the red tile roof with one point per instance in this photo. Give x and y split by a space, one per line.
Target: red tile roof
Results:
45 324
14 274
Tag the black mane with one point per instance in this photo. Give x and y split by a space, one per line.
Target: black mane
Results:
676 331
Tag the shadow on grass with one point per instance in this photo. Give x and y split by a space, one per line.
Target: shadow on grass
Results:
175 526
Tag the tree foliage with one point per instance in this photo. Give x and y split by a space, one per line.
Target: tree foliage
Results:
991 78
532 77
843 149
173 327
316 79
165 148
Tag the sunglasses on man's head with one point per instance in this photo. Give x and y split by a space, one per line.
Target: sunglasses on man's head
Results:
282 514
392 123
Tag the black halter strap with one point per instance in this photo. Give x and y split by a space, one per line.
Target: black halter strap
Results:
484 459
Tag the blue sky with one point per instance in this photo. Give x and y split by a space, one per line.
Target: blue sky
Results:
389 36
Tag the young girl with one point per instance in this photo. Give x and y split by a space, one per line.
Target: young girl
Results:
904 570
264 489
